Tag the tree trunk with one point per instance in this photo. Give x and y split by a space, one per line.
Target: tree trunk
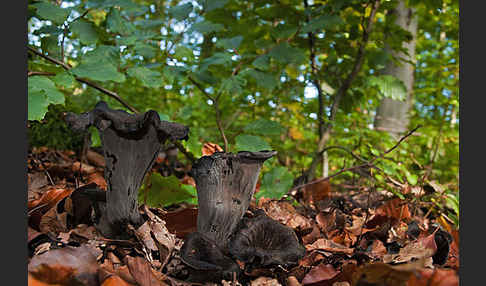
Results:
393 115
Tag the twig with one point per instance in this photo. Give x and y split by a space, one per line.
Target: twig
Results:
215 101
368 164
32 73
89 83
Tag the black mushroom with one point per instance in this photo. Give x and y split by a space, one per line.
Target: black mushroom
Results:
263 242
225 184
130 143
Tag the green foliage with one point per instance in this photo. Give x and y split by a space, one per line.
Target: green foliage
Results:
275 183
42 92
254 56
252 143
165 191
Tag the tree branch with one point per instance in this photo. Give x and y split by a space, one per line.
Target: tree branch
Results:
215 101
342 91
87 82
367 164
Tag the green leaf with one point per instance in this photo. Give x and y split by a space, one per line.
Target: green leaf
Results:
205 27
41 93
264 127
51 12
275 183
284 53
216 59
452 202
37 105
210 5
95 137
85 31
181 12
251 143
230 43
64 79
165 191
389 86
233 84
326 22
145 50
183 51
101 71
264 80
117 24
43 83
50 45
108 54
262 62
148 77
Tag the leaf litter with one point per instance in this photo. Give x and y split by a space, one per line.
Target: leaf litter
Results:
351 238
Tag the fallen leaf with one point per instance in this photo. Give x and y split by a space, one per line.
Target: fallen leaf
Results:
181 222
292 281
435 277
209 148
377 249
394 208
265 281
422 248
98 179
285 213
85 168
381 274
330 246
95 158
49 198
142 272
115 280
315 192
319 273
32 281
73 264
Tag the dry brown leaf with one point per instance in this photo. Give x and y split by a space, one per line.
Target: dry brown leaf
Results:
292 281
377 249
435 277
265 281
394 208
181 222
115 280
53 222
34 282
381 274
141 271
320 273
209 148
285 213
85 168
422 248
95 158
319 191
78 264
330 246
50 198
98 179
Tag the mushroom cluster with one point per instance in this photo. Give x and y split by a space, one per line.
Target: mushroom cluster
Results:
225 184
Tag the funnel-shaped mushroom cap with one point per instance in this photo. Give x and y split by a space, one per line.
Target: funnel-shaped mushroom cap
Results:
130 145
225 184
262 241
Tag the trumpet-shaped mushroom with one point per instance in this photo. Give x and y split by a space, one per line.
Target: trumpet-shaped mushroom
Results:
130 143
225 184
262 241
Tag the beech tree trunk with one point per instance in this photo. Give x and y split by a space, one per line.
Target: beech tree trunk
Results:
393 115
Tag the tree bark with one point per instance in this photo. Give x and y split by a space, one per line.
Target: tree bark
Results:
392 115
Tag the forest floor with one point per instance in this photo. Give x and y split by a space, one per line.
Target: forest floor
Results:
353 235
